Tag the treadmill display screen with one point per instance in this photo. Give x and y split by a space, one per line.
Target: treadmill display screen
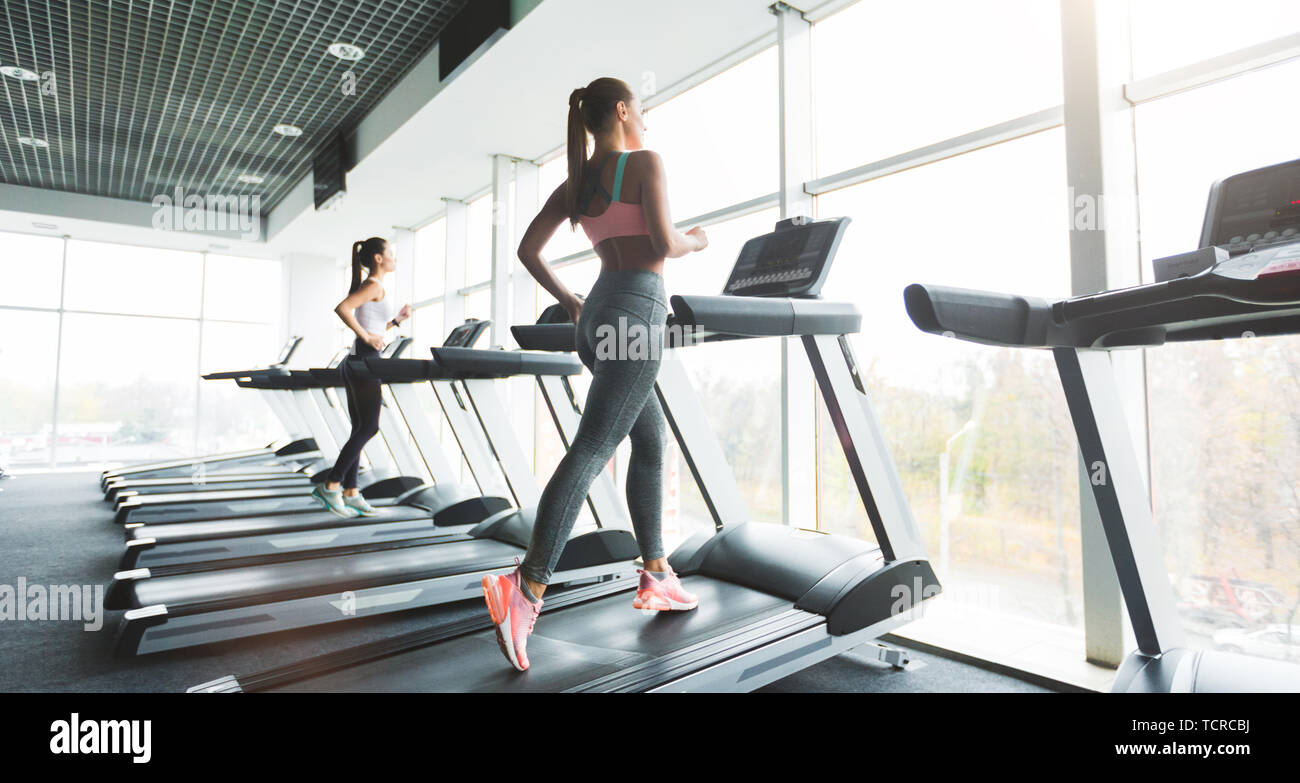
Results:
465 335
790 261
1258 207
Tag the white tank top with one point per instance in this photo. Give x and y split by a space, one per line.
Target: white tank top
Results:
374 316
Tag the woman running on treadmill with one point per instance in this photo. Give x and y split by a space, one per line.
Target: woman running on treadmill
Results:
620 199
368 311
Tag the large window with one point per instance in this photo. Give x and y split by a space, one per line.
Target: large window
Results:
1224 416
567 240
127 279
430 260
120 340
38 263
1004 529
28 360
960 66
719 140
1169 34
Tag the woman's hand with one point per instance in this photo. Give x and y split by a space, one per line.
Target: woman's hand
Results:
403 314
574 306
700 237
375 341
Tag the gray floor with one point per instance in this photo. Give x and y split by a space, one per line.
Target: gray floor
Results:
56 530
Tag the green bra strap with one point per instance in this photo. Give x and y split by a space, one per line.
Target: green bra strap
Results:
618 175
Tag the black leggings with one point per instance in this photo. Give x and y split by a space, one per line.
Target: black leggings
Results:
364 399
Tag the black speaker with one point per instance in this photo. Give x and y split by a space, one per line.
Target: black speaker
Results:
477 21
329 173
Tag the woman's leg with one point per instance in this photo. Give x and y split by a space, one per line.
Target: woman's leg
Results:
364 400
619 391
645 482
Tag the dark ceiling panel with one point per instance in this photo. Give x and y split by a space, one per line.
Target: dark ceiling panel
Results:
148 95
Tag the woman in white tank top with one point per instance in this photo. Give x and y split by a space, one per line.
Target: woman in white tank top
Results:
368 311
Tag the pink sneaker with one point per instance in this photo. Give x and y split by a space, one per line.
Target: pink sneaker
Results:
663 595
512 614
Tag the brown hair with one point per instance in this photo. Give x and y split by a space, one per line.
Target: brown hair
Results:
363 254
590 108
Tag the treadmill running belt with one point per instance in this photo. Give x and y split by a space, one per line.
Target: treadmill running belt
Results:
279 523
559 659
252 585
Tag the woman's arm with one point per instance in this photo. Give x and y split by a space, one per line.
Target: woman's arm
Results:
665 237
539 232
401 316
347 311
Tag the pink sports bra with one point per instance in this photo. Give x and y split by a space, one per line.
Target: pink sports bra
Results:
620 219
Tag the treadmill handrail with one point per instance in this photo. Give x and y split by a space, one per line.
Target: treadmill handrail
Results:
256 372
755 316
477 362
561 338
1145 316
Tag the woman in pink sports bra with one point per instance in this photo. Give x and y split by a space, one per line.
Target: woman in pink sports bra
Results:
619 197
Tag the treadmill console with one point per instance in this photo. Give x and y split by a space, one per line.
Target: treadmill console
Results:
792 261
396 347
468 333
1254 209
287 351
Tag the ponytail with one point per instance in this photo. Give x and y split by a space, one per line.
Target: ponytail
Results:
363 254
577 153
590 109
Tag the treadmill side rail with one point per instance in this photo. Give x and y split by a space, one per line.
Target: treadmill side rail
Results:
153 629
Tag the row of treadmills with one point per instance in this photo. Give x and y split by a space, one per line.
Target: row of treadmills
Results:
232 546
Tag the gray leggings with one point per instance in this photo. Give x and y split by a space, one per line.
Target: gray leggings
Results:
620 404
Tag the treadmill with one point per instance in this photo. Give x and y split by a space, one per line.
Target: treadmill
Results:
393 470
170 608
316 411
275 458
1244 281
773 599
445 507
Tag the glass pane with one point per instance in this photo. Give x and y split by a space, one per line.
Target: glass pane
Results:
1008 555
427 329
28 353
479 304
430 260
116 410
706 272
1224 416
1181 151
879 94
478 259
231 418
130 279
713 156
36 261
579 278
565 241
1168 34
242 289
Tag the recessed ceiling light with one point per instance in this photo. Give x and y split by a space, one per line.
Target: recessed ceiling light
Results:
285 129
33 142
346 51
250 179
14 72
46 226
